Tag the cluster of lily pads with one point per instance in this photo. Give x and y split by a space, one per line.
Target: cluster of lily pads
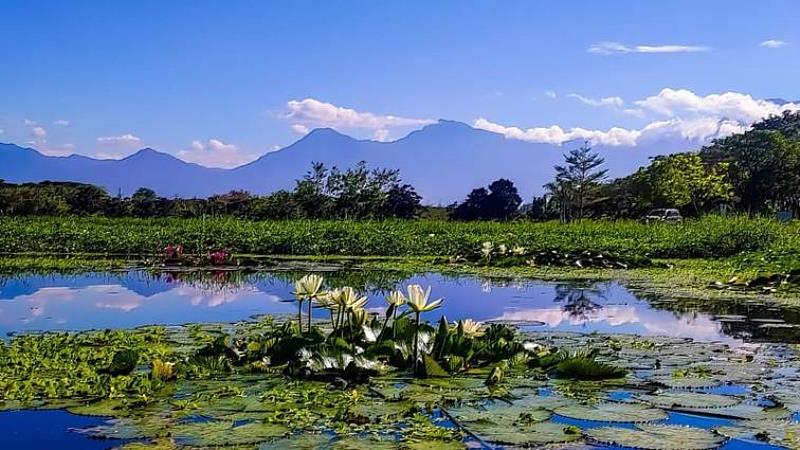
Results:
392 380
504 255
763 283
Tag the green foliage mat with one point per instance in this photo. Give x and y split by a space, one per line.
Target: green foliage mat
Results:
657 437
241 407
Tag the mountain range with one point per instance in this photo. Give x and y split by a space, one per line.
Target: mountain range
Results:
443 161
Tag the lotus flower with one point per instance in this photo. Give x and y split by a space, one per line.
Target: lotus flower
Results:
418 299
349 300
470 328
486 250
418 302
519 250
307 289
396 299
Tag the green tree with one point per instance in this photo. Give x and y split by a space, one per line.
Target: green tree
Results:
684 181
763 166
578 181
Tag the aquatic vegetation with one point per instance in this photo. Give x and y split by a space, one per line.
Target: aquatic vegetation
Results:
348 383
500 256
707 237
769 283
163 371
657 437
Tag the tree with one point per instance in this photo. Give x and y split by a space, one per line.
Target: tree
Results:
144 203
402 201
684 180
580 178
763 166
359 193
499 202
310 193
473 207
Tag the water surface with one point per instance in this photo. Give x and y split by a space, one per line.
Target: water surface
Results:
135 298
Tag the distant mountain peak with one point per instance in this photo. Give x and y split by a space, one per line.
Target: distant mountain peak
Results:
325 132
148 153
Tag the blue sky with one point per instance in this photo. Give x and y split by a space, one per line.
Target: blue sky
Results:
223 82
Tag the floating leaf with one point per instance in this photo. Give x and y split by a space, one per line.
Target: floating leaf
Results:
612 412
656 437
539 433
778 432
693 400
218 433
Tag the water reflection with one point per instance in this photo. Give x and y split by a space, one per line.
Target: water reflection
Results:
128 299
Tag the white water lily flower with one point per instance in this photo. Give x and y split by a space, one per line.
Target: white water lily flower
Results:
308 287
471 328
396 299
486 249
519 250
532 347
348 299
418 299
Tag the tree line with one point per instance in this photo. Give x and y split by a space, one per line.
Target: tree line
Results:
323 193
755 172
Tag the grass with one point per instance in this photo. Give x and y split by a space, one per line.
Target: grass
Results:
704 238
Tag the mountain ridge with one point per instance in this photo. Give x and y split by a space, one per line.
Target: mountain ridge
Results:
442 160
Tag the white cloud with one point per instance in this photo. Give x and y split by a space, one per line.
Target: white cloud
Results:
556 135
773 43
55 150
614 48
550 94
29 123
2 131
605 101
731 105
312 113
677 112
300 129
38 132
215 153
381 135
61 123
125 140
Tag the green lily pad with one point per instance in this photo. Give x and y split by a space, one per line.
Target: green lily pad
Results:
689 382
540 433
656 437
693 400
778 432
218 433
612 412
510 415
304 441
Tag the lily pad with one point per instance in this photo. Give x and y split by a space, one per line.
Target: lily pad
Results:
540 433
693 400
689 382
304 441
656 437
218 433
778 432
612 412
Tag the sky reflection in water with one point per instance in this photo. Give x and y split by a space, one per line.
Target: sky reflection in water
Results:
129 299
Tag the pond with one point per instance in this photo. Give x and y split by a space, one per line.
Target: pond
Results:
134 298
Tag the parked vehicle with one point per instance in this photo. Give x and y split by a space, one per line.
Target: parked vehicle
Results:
669 215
